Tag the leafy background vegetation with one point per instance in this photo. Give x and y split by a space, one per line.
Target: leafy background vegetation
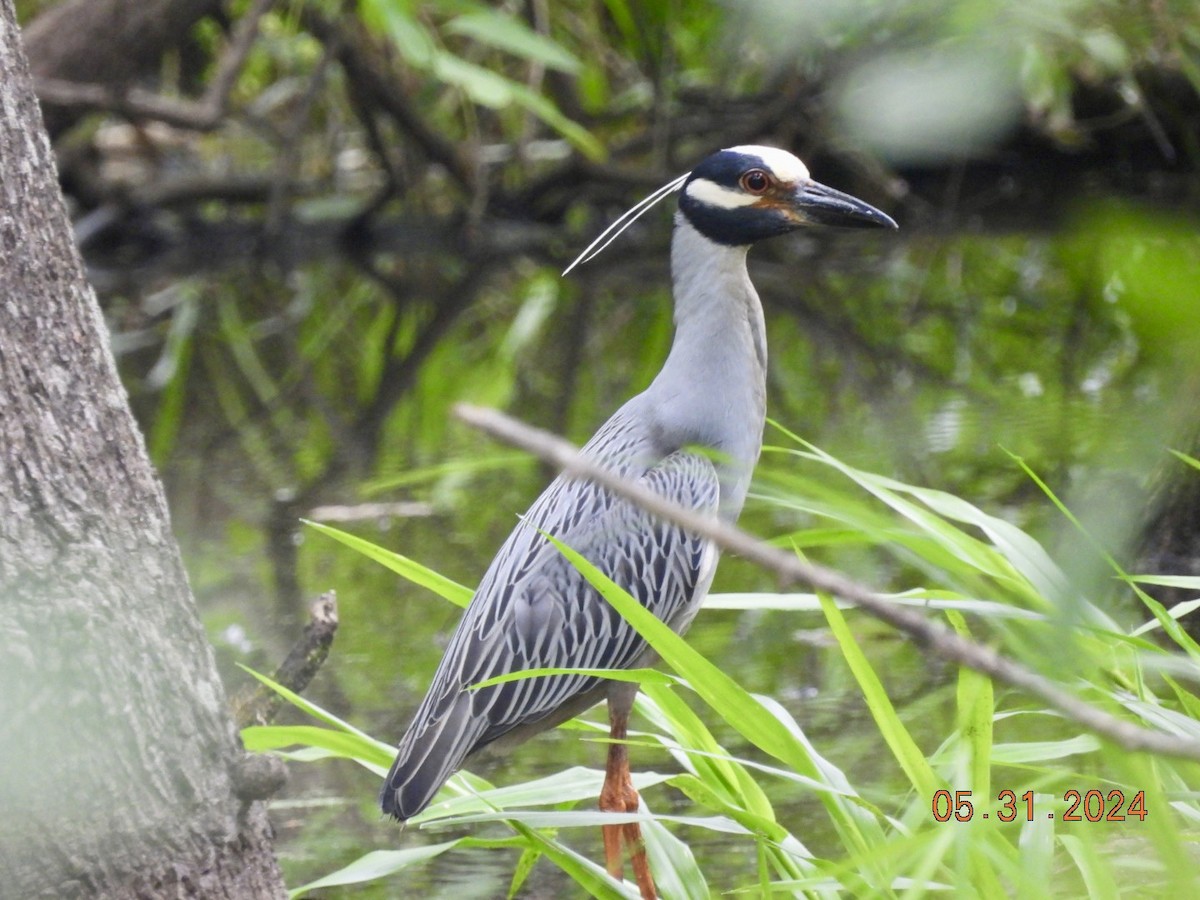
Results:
294 350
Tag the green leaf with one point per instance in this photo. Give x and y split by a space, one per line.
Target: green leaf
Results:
568 786
529 859
716 767
899 741
639 676
1021 561
508 33
170 374
488 88
1110 52
1183 457
306 706
375 754
1043 751
1178 611
1187 582
676 873
691 754
578 136
705 793
1036 842
1169 625
374 865
594 818
598 883
387 484
483 86
401 565
1097 875
413 41
918 598
1161 717
975 715
318 754
760 720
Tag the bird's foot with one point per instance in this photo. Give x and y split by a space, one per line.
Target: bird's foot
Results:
626 838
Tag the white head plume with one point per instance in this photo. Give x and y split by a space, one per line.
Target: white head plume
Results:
626 219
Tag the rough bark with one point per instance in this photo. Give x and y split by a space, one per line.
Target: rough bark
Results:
116 744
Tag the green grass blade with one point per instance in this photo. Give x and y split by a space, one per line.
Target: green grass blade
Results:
1027 752
676 873
306 705
375 865
529 859
716 768
897 737
572 785
1012 557
1093 868
1184 458
363 749
509 32
403 566
598 883
1169 625
456 467
975 711
756 719
639 676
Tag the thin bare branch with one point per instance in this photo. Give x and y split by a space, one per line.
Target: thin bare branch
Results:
259 705
929 635
360 512
135 103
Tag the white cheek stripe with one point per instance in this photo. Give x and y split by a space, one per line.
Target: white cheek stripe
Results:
712 194
782 164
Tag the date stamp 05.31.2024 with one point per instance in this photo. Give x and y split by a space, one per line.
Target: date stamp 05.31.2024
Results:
1075 806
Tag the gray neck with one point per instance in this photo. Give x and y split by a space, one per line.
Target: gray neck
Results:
711 391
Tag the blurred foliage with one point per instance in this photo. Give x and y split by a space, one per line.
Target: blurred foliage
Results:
274 381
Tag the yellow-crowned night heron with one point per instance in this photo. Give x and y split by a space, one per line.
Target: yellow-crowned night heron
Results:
693 435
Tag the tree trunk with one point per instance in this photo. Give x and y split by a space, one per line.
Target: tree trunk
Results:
117 750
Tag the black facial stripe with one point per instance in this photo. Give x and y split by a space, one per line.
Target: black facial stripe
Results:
734 227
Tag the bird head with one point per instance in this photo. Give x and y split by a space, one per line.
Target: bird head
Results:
744 194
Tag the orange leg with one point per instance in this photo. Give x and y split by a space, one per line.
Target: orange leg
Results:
612 800
619 795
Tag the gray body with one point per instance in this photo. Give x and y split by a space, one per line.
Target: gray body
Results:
693 436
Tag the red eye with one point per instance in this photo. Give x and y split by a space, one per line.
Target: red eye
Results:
756 181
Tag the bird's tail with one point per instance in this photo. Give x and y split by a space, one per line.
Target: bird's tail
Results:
430 752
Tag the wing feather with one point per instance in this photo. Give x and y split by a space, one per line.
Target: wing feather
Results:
534 610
